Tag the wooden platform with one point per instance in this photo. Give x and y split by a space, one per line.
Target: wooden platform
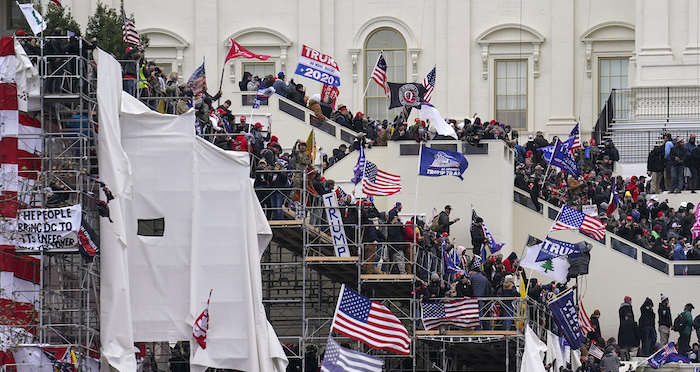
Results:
331 259
282 223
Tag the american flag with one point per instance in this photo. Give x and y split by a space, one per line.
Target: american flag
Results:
570 218
462 313
129 33
575 137
340 193
379 183
595 351
583 320
359 318
340 359
429 84
197 81
695 230
614 201
379 74
669 348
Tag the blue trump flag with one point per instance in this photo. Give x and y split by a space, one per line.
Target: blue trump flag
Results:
562 158
436 163
667 354
566 317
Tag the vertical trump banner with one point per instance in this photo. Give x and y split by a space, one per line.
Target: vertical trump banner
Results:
335 222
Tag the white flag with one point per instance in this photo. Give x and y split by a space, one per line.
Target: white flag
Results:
34 18
554 352
556 268
428 111
533 353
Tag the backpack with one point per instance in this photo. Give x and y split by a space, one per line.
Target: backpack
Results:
679 323
435 224
696 323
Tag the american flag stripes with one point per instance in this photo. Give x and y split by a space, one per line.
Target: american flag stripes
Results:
595 351
379 183
429 84
575 137
583 320
197 81
463 313
570 218
379 74
129 33
361 319
339 359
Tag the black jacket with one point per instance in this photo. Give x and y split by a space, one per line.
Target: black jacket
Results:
647 319
656 160
628 335
664 315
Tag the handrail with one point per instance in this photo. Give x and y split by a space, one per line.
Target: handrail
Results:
638 253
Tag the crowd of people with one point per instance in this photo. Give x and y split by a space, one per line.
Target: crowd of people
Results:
639 338
640 217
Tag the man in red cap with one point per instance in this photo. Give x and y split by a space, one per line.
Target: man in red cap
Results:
626 308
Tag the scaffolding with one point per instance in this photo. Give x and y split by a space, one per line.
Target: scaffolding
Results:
301 274
302 278
66 307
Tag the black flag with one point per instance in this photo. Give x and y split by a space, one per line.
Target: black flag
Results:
406 94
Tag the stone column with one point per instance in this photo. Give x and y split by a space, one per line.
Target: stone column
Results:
561 91
654 28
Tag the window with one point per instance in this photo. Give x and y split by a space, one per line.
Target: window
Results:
612 74
260 69
393 47
511 93
154 227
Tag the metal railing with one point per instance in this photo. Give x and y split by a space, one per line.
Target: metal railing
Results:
619 244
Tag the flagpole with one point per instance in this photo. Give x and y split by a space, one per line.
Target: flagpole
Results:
415 208
370 77
221 82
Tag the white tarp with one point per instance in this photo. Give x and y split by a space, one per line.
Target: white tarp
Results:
214 234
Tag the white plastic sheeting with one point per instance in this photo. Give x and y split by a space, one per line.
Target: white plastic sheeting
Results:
153 287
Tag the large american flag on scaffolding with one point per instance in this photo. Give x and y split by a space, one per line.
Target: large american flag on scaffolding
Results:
362 319
462 313
379 183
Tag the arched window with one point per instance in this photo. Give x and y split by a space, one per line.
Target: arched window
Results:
393 47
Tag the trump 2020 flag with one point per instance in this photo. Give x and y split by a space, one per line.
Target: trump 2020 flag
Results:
201 326
667 354
544 258
565 315
450 264
562 158
362 319
436 163
340 359
358 171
